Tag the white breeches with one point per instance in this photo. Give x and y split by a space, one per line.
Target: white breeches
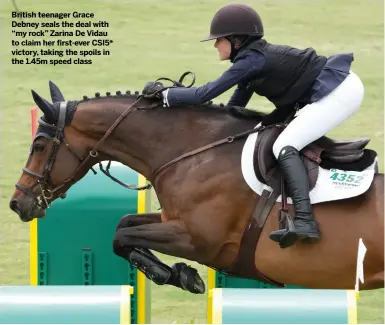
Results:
315 120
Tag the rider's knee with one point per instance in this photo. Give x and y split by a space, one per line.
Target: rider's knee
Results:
281 143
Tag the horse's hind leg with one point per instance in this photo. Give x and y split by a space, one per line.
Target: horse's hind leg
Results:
146 261
171 238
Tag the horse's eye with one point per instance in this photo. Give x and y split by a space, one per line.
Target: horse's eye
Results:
38 147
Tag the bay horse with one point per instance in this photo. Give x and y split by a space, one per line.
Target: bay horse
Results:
191 155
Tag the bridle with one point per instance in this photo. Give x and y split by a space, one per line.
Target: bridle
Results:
44 180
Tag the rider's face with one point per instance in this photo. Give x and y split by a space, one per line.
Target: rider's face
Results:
224 48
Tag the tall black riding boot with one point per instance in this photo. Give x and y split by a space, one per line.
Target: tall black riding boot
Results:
296 178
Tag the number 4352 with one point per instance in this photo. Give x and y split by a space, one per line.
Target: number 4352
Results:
349 178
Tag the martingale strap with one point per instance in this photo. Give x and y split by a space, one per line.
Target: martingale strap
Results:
244 265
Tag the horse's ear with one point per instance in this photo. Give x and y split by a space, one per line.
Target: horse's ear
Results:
47 108
56 94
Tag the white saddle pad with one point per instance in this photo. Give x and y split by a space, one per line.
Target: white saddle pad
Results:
331 184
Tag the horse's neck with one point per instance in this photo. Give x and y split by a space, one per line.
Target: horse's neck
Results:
147 139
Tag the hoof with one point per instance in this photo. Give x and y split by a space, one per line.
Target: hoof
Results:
191 281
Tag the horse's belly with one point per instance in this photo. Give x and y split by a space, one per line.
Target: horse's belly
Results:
328 264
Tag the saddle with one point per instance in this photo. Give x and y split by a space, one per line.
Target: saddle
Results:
325 152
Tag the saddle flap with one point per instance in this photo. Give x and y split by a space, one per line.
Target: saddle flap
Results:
265 164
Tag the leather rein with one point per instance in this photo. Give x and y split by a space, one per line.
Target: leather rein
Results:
44 181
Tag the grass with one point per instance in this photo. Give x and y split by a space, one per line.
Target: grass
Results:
153 39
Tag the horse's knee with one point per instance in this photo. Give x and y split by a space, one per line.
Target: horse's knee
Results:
126 221
119 247
133 220
116 246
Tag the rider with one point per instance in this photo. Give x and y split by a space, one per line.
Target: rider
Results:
324 89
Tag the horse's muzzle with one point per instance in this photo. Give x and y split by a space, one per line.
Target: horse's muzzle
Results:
26 208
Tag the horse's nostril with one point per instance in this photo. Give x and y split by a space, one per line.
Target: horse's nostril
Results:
14 205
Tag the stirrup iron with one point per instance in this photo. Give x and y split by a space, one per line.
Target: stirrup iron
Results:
290 236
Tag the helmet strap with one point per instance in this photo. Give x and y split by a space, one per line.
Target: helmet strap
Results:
244 39
235 49
233 52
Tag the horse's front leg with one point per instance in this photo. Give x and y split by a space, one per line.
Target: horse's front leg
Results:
133 220
179 275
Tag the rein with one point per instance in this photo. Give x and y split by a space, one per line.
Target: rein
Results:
94 153
229 139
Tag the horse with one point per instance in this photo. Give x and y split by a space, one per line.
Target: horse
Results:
191 156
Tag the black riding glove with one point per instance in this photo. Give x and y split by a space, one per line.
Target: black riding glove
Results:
153 90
